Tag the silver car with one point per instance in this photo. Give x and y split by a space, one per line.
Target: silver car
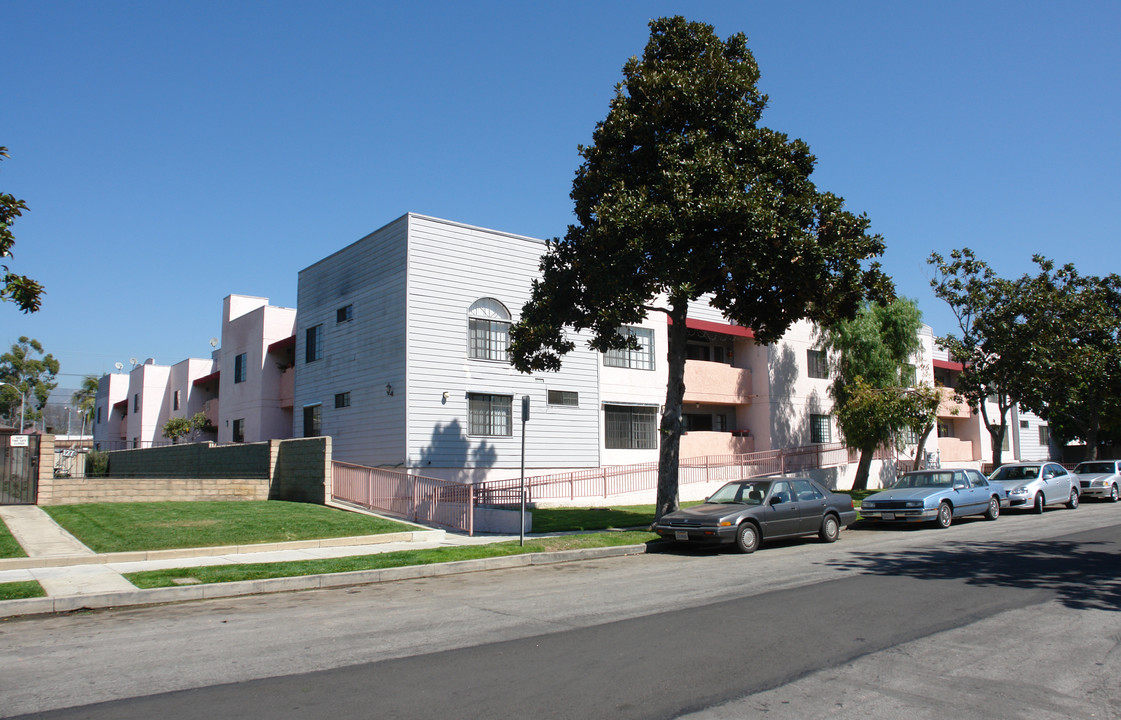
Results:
1037 484
1099 478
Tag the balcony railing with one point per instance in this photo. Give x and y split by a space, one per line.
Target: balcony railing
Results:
950 407
718 383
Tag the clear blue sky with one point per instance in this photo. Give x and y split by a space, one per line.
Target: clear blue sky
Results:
174 153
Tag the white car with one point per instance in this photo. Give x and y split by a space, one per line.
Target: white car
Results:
1099 478
1037 484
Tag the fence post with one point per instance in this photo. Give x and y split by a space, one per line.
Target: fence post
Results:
413 502
781 462
471 510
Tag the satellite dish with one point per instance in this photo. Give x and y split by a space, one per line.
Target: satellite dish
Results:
132 361
213 342
118 365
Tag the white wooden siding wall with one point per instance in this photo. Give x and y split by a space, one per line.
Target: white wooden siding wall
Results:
360 356
1030 448
450 267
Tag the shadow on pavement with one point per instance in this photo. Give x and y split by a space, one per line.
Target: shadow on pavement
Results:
1083 575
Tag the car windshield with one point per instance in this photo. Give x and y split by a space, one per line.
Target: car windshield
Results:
925 479
1094 467
745 493
1016 472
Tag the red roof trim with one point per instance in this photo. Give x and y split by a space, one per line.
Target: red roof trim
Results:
284 344
715 327
207 378
948 365
122 403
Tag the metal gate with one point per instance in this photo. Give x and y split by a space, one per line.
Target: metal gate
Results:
19 469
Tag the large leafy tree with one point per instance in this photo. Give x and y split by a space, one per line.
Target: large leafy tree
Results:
1072 377
31 372
684 194
20 289
990 342
875 392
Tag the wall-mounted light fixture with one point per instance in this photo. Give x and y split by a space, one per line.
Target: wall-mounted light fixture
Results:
388 389
445 396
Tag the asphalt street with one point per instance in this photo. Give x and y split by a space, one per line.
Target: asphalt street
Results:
1013 618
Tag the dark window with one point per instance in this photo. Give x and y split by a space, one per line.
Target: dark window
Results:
312 427
641 358
136 403
804 491
564 397
489 414
175 401
313 349
696 422
342 400
1044 435
239 430
630 427
241 368
99 416
344 314
816 364
820 430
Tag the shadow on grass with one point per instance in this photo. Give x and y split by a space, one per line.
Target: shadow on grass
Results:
1082 575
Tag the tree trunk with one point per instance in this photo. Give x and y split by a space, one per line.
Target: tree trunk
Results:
921 448
860 482
1091 438
669 448
996 437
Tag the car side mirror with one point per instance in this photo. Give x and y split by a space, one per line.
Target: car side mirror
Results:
776 500
959 486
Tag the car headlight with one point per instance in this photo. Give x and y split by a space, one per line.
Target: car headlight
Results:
1099 483
914 503
867 504
1019 491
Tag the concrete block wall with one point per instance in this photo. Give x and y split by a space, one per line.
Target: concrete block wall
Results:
195 460
300 469
68 491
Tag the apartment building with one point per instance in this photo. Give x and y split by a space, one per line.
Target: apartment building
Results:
252 372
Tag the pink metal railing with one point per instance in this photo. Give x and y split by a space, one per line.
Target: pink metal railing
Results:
451 504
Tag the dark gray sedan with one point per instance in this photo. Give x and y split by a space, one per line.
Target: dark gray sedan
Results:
747 512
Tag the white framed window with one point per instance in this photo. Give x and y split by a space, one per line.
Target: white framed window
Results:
641 358
1044 435
488 330
569 398
313 424
241 367
816 364
489 414
820 429
313 349
630 427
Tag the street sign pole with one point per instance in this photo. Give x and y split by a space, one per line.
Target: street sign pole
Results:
521 518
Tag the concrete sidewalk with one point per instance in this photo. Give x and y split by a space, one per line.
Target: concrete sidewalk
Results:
74 577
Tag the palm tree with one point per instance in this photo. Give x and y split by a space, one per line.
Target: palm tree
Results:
85 399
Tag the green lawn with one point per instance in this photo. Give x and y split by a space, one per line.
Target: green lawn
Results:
120 527
233 573
20 590
9 548
548 520
858 495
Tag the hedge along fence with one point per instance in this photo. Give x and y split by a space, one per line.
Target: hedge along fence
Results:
297 469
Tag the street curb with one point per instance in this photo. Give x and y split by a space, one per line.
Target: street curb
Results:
154 596
23 563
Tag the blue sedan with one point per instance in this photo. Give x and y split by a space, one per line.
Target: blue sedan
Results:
935 495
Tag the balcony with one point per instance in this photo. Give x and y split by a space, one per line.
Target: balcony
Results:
210 409
288 388
718 383
698 444
950 408
956 450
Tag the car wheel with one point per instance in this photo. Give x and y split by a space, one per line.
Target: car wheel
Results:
747 537
1113 494
945 515
1037 507
830 529
994 509
1073 502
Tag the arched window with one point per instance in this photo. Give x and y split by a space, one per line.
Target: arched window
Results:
488 330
